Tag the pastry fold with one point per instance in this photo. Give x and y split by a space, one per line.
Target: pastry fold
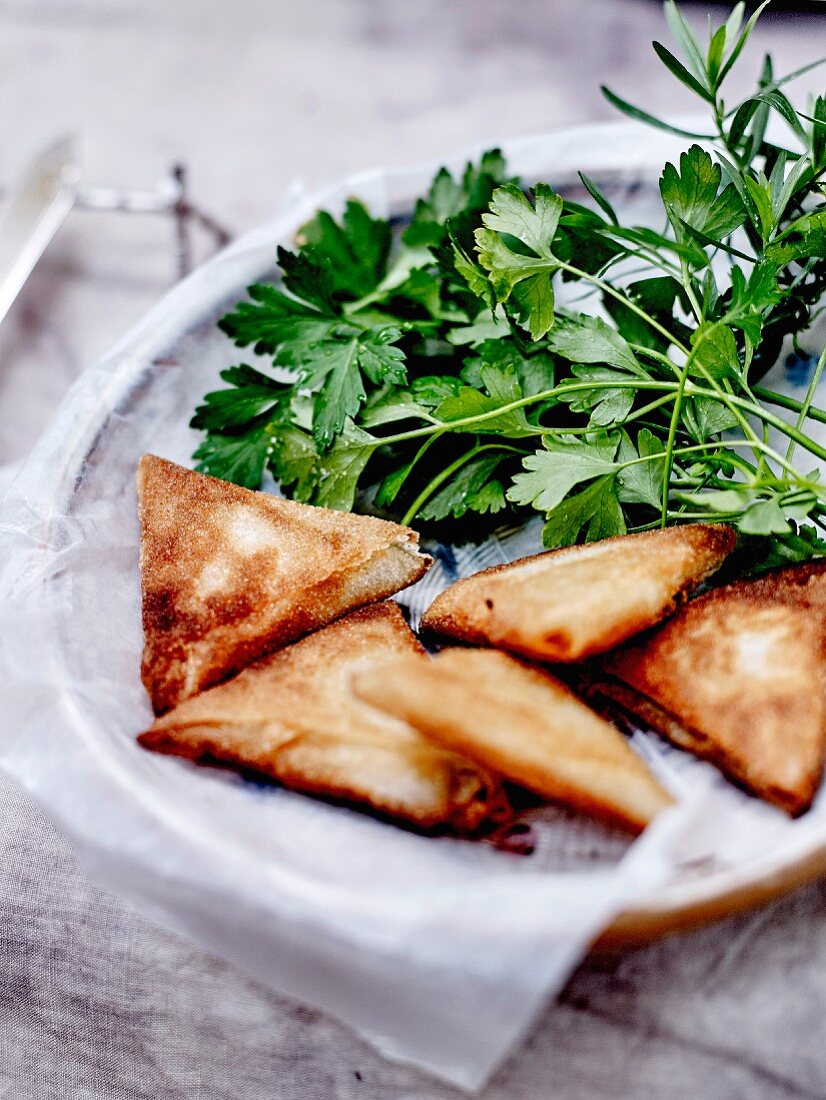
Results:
523 723
293 717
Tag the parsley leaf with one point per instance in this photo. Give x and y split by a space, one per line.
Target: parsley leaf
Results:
353 254
249 395
597 506
553 472
606 404
238 458
448 197
333 369
343 466
641 482
585 339
691 197
528 276
273 319
472 490
503 388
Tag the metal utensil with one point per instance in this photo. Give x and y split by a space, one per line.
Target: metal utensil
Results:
33 211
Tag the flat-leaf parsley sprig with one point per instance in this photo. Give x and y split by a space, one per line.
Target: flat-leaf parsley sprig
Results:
439 374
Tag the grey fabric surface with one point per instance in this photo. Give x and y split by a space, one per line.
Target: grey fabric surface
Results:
96 1003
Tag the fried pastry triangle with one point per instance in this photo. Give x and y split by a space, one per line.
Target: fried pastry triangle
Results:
292 716
523 723
567 604
738 677
229 574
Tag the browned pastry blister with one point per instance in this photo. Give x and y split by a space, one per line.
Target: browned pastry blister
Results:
293 717
565 605
522 722
228 574
738 677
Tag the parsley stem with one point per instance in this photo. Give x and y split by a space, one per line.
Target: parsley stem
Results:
408 469
588 429
672 433
606 288
694 448
545 395
652 353
788 430
807 401
784 402
689 290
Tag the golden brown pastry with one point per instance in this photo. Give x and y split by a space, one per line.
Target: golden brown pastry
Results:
229 574
738 677
523 723
568 604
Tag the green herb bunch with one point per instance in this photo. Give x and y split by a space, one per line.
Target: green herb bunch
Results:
433 375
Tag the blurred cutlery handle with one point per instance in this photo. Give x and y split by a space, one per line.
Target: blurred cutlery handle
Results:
33 211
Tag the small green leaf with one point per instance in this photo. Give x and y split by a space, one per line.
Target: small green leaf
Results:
741 119
607 405
803 239
502 385
379 358
566 521
353 252
534 298
762 216
764 518
250 394
643 116
742 40
272 319
599 198
449 199
690 196
551 474
685 38
470 490
343 466
487 325
607 520
293 460
534 225
706 418
237 458
734 23
777 100
332 370
714 351
751 299
641 482
529 278
679 70
714 60
587 339
396 405
473 275
724 501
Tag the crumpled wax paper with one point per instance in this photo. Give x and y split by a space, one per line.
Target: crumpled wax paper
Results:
439 952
